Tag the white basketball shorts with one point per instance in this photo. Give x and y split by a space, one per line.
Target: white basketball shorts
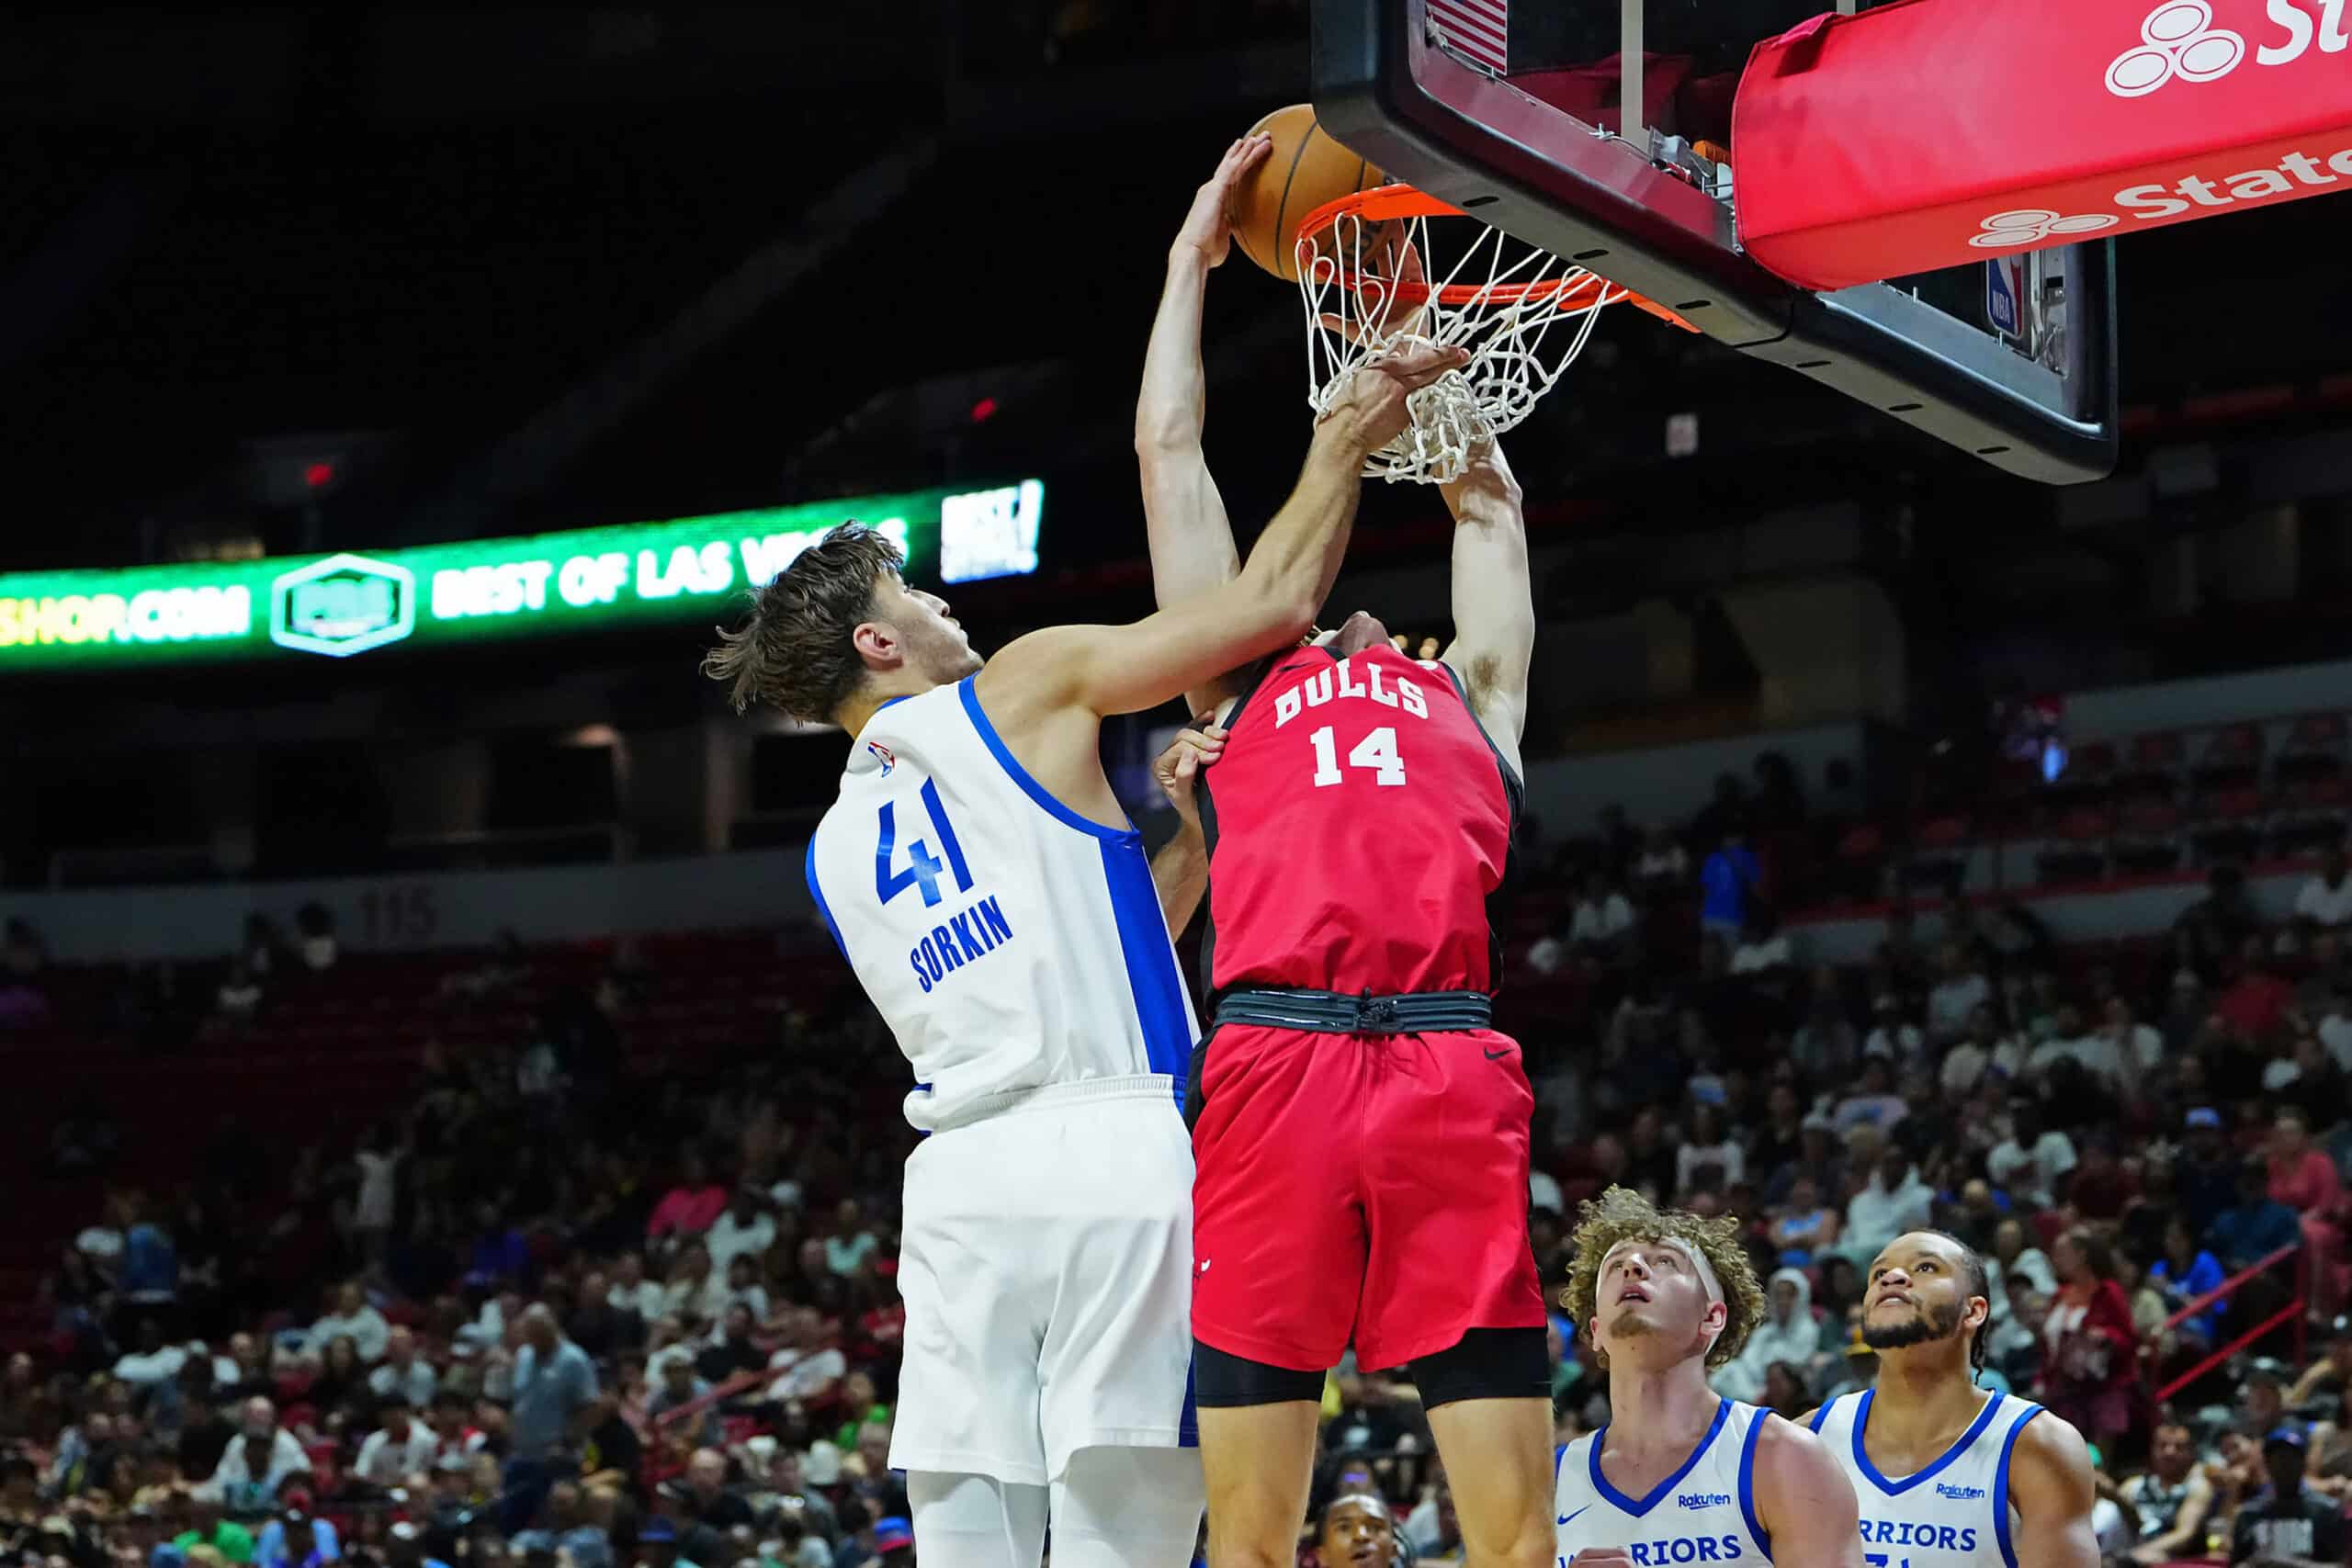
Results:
1046 1260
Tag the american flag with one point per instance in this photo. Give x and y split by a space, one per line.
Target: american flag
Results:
1478 31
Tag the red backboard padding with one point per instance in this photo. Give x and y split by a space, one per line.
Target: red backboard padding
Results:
1932 133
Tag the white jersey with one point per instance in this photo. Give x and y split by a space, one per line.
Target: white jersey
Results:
1705 1512
1956 1513
1010 943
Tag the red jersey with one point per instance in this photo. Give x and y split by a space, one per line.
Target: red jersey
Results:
1357 824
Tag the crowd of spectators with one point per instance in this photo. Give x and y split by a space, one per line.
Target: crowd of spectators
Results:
547 1309
543 1311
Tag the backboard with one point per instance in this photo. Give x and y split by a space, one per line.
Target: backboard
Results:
1510 110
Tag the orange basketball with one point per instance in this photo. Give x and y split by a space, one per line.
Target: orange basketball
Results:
1305 170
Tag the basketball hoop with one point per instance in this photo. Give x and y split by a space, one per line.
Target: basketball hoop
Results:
1523 313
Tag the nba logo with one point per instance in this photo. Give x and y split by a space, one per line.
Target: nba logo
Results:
888 762
2004 288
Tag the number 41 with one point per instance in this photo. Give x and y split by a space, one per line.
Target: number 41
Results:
1376 750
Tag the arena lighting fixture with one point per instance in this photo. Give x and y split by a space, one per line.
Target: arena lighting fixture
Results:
689 572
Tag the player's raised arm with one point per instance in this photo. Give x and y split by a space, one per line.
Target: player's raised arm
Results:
1803 1500
1494 599
2051 1486
1107 670
1184 518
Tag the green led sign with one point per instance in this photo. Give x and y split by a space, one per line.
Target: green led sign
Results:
344 605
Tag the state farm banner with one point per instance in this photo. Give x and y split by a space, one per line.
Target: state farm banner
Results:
1932 133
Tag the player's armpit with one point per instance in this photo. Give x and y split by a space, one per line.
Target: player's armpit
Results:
1494 597
1803 1500
2051 1485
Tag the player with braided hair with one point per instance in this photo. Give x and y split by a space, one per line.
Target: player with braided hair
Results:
1948 1474
1680 1474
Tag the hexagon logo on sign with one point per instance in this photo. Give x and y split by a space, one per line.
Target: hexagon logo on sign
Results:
341 605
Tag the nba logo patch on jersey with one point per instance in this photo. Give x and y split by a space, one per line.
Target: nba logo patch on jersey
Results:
888 762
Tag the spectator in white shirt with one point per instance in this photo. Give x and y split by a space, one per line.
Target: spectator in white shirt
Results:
632 1292
402 1373
2324 904
1895 1203
1874 1103
153 1362
1763 946
2139 1047
1705 1144
809 1370
352 1315
2030 1163
257 1464
746 1228
399 1447
1602 920
1663 865
2070 1044
1983 1049
2335 1025
1959 994
696 1290
1893 1038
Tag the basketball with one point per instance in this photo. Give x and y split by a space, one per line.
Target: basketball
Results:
1306 169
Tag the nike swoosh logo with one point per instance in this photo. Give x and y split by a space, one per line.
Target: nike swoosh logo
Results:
1497 1056
1565 1517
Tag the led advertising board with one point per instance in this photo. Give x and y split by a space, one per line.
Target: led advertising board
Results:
585 579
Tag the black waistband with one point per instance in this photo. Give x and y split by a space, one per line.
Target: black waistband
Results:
1329 1012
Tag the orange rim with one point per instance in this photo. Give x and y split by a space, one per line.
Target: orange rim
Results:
1383 203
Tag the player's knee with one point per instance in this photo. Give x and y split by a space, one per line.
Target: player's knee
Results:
1225 1551
1525 1542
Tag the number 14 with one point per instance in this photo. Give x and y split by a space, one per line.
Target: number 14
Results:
1376 750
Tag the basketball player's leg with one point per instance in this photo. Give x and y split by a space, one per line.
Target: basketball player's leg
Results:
1279 1244
1120 1508
975 1521
968 1432
1115 1360
1497 1458
1450 1287
1259 1461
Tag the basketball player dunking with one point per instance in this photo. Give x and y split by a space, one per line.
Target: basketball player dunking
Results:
1361 1132
1948 1474
1680 1474
995 903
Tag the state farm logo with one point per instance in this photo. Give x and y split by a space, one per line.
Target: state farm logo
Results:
2177 40
2031 225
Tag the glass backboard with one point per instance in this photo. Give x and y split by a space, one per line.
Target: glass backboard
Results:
1513 111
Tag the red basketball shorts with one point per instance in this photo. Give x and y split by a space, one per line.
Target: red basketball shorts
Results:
1364 1187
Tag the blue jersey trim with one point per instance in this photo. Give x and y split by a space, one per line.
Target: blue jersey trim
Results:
1152 980
1897 1488
1019 775
1823 1414
2001 1488
1559 1462
1756 1529
809 870
1625 1504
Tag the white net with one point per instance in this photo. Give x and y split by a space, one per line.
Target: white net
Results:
1523 313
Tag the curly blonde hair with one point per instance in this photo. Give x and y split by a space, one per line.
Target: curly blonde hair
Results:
1623 1214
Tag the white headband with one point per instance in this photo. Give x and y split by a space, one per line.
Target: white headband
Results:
1699 1263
